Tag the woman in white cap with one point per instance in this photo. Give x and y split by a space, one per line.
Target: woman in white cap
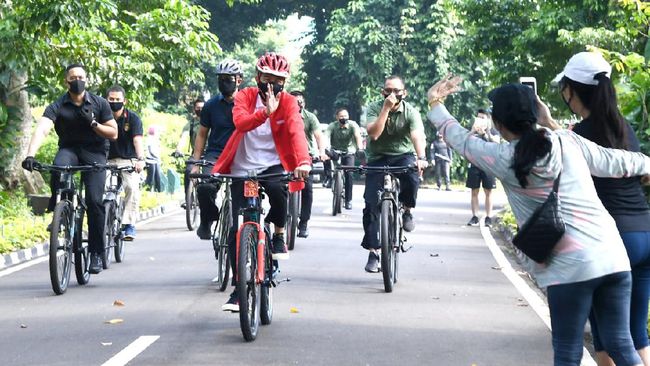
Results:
587 89
588 267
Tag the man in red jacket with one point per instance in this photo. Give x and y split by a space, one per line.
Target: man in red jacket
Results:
269 137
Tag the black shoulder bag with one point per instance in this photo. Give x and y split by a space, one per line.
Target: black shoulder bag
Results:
539 235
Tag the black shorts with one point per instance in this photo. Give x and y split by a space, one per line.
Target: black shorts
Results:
476 177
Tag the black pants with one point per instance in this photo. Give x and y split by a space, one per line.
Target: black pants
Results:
277 193
409 184
154 178
94 182
347 159
442 171
207 193
306 200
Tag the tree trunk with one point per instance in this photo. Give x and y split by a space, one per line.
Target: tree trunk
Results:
20 125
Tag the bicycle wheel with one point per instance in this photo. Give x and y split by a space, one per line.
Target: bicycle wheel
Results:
337 192
109 218
220 244
191 206
81 253
119 236
387 238
293 213
61 247
266 290
248 288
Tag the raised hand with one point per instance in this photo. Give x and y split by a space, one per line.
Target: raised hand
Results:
443 88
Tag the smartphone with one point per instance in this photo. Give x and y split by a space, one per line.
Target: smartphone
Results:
529 81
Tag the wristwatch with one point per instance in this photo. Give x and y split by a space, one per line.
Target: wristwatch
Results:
423 158
94 124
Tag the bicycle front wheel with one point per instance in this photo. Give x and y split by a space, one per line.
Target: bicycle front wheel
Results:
220 244
191 206
248 288
119 236
81 254
109 235
292 218
387 238
61 247
266 290
337 192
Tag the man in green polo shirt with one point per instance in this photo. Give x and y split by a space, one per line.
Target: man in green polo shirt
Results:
316 150
395 138
345 135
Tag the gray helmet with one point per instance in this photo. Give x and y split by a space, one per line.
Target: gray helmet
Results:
229 67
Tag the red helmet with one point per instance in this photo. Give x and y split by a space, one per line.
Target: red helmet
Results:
274 64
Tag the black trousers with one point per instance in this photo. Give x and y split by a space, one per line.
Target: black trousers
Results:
94 183
277 193
306 200
206 193
409 184
347 159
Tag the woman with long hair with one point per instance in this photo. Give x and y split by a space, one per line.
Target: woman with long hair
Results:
588 268
588 91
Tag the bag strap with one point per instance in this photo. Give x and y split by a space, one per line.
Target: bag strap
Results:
556 183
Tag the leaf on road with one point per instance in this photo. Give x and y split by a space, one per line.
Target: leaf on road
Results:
435 297
118 303
434 254
23 326
107 343
294 310
498 268
114 321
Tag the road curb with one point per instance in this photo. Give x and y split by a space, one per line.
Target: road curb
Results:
39 250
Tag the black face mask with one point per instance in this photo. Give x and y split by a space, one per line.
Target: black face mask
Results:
197 112
263 88
77 86
398 96
227 87
116 106
343 121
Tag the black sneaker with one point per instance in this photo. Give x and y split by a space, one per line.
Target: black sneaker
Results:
448 189
407 221
348 205
96 265
373 263
488 221
232 304
279 247
473 221
203 231
303 231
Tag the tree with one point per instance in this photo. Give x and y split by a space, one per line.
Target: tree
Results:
141 45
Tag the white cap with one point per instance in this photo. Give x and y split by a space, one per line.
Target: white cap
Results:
583 66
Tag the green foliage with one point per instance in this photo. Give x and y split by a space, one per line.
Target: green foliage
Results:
19 228
508 219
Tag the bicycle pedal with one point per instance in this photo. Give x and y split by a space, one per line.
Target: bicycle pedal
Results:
284 280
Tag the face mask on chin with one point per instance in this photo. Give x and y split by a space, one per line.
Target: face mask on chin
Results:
263 88
77 86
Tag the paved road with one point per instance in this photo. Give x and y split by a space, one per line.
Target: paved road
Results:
450 306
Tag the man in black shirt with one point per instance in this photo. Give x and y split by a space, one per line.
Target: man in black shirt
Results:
128 149
84 123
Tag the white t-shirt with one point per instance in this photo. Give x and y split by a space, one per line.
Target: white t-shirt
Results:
256 151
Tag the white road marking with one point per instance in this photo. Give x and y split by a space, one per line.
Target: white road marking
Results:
533 299
18 267
131 351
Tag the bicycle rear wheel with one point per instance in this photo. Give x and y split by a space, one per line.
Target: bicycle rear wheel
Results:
293 213
248 288
220 244
387 238
119 236
81 254
61 247
266 290
191 206
109 235
337 192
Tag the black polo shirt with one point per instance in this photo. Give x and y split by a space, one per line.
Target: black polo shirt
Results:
129 125
72 131
217 116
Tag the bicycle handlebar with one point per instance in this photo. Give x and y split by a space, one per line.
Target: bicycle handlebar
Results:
201 162
384 169
68 168
259 177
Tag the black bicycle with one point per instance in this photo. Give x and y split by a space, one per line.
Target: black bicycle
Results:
337 180
191 204
220 231
66 236
391 234
113 209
